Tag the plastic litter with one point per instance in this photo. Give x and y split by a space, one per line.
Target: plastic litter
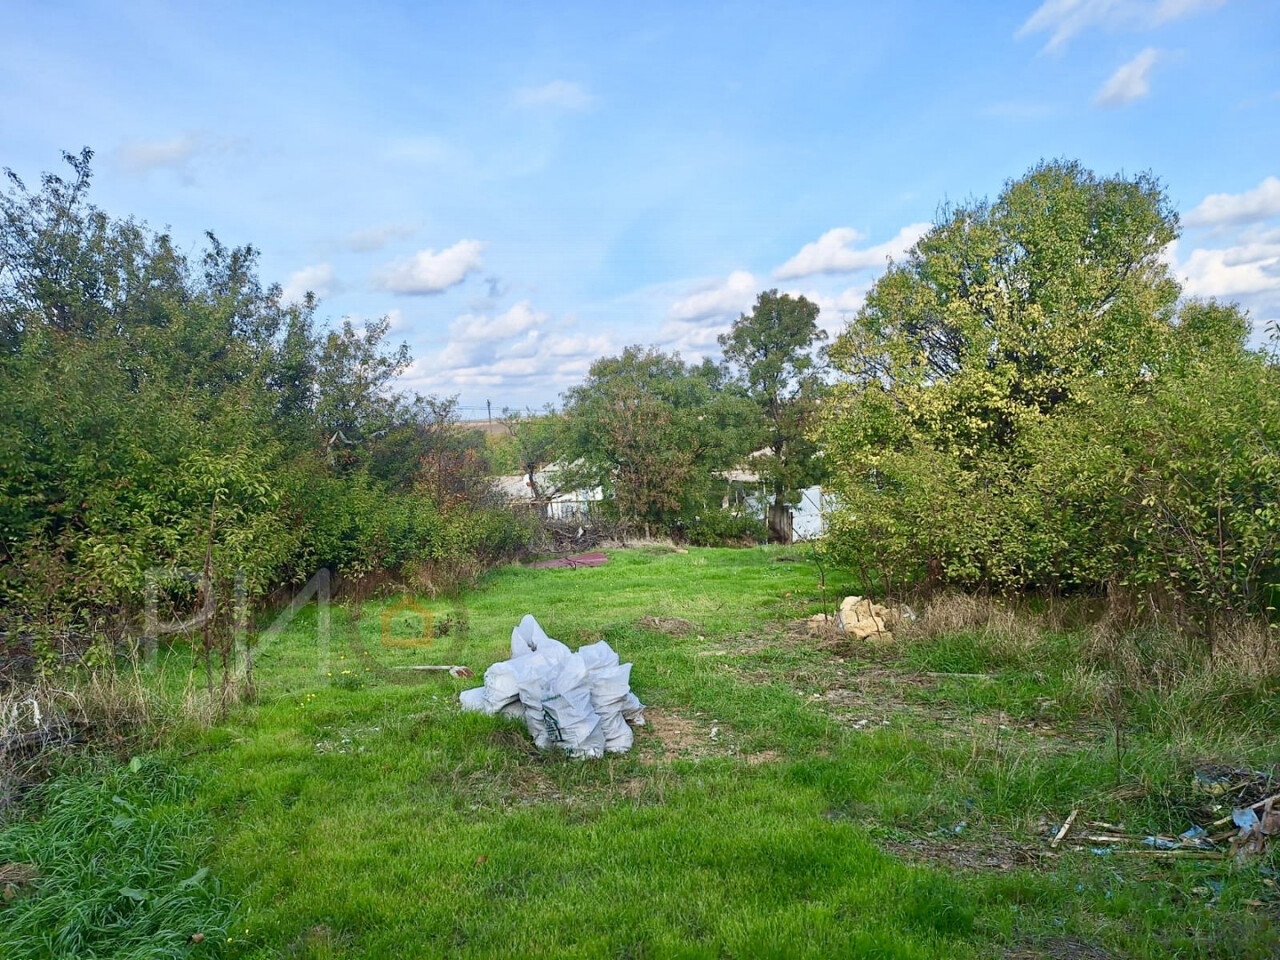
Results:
1244 818
579 702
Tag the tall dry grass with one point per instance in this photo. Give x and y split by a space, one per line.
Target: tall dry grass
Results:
121 710
991 618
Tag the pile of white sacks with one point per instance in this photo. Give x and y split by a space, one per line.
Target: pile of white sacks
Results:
581 702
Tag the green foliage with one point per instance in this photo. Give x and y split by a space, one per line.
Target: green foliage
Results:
123 870
711 527
157 409
531 444
1006 310
1175 486
1026 404
653 431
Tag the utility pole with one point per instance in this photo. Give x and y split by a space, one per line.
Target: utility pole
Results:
489 404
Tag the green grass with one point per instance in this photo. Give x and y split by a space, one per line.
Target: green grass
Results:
123 868
772 810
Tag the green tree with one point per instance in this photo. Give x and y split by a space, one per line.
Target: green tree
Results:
1003 310
1005 316
653 431
532 442
772 351
355 402
139 387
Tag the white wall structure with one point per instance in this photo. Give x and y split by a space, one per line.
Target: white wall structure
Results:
557 504
809 516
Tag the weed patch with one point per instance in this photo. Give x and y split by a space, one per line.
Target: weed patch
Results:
118 865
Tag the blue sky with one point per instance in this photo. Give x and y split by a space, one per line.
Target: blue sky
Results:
525 187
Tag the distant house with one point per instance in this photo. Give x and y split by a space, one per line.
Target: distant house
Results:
807 519
744 493
749 495
552 502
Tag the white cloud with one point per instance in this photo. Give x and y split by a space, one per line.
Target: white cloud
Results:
834 252
1246 271
1131 82
558 95
430 272
375 238
320 279
541 362
835 309
1065 19
695 321
731 296
1217 209
1249 267
502 326
142 156
521 355
137 158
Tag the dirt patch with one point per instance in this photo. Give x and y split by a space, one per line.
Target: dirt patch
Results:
667 736
17 873
820 625
14 877
990 853
764 756
871 696
671 626
316 941
744 647
1043 733
1058 948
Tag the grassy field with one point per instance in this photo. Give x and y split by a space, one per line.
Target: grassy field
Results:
791 796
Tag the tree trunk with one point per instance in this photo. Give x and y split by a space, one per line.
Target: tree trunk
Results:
780 522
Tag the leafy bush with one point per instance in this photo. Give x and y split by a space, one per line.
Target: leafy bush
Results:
718 528
1177 488
1027 404
164 417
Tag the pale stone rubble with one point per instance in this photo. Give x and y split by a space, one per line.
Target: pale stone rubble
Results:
864 619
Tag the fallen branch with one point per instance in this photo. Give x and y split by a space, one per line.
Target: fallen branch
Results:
962 676
461 673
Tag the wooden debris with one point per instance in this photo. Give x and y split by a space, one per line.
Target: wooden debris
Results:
1253 806
961 676
1065 828
461 673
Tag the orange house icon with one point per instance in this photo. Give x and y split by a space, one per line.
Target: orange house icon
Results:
405 610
